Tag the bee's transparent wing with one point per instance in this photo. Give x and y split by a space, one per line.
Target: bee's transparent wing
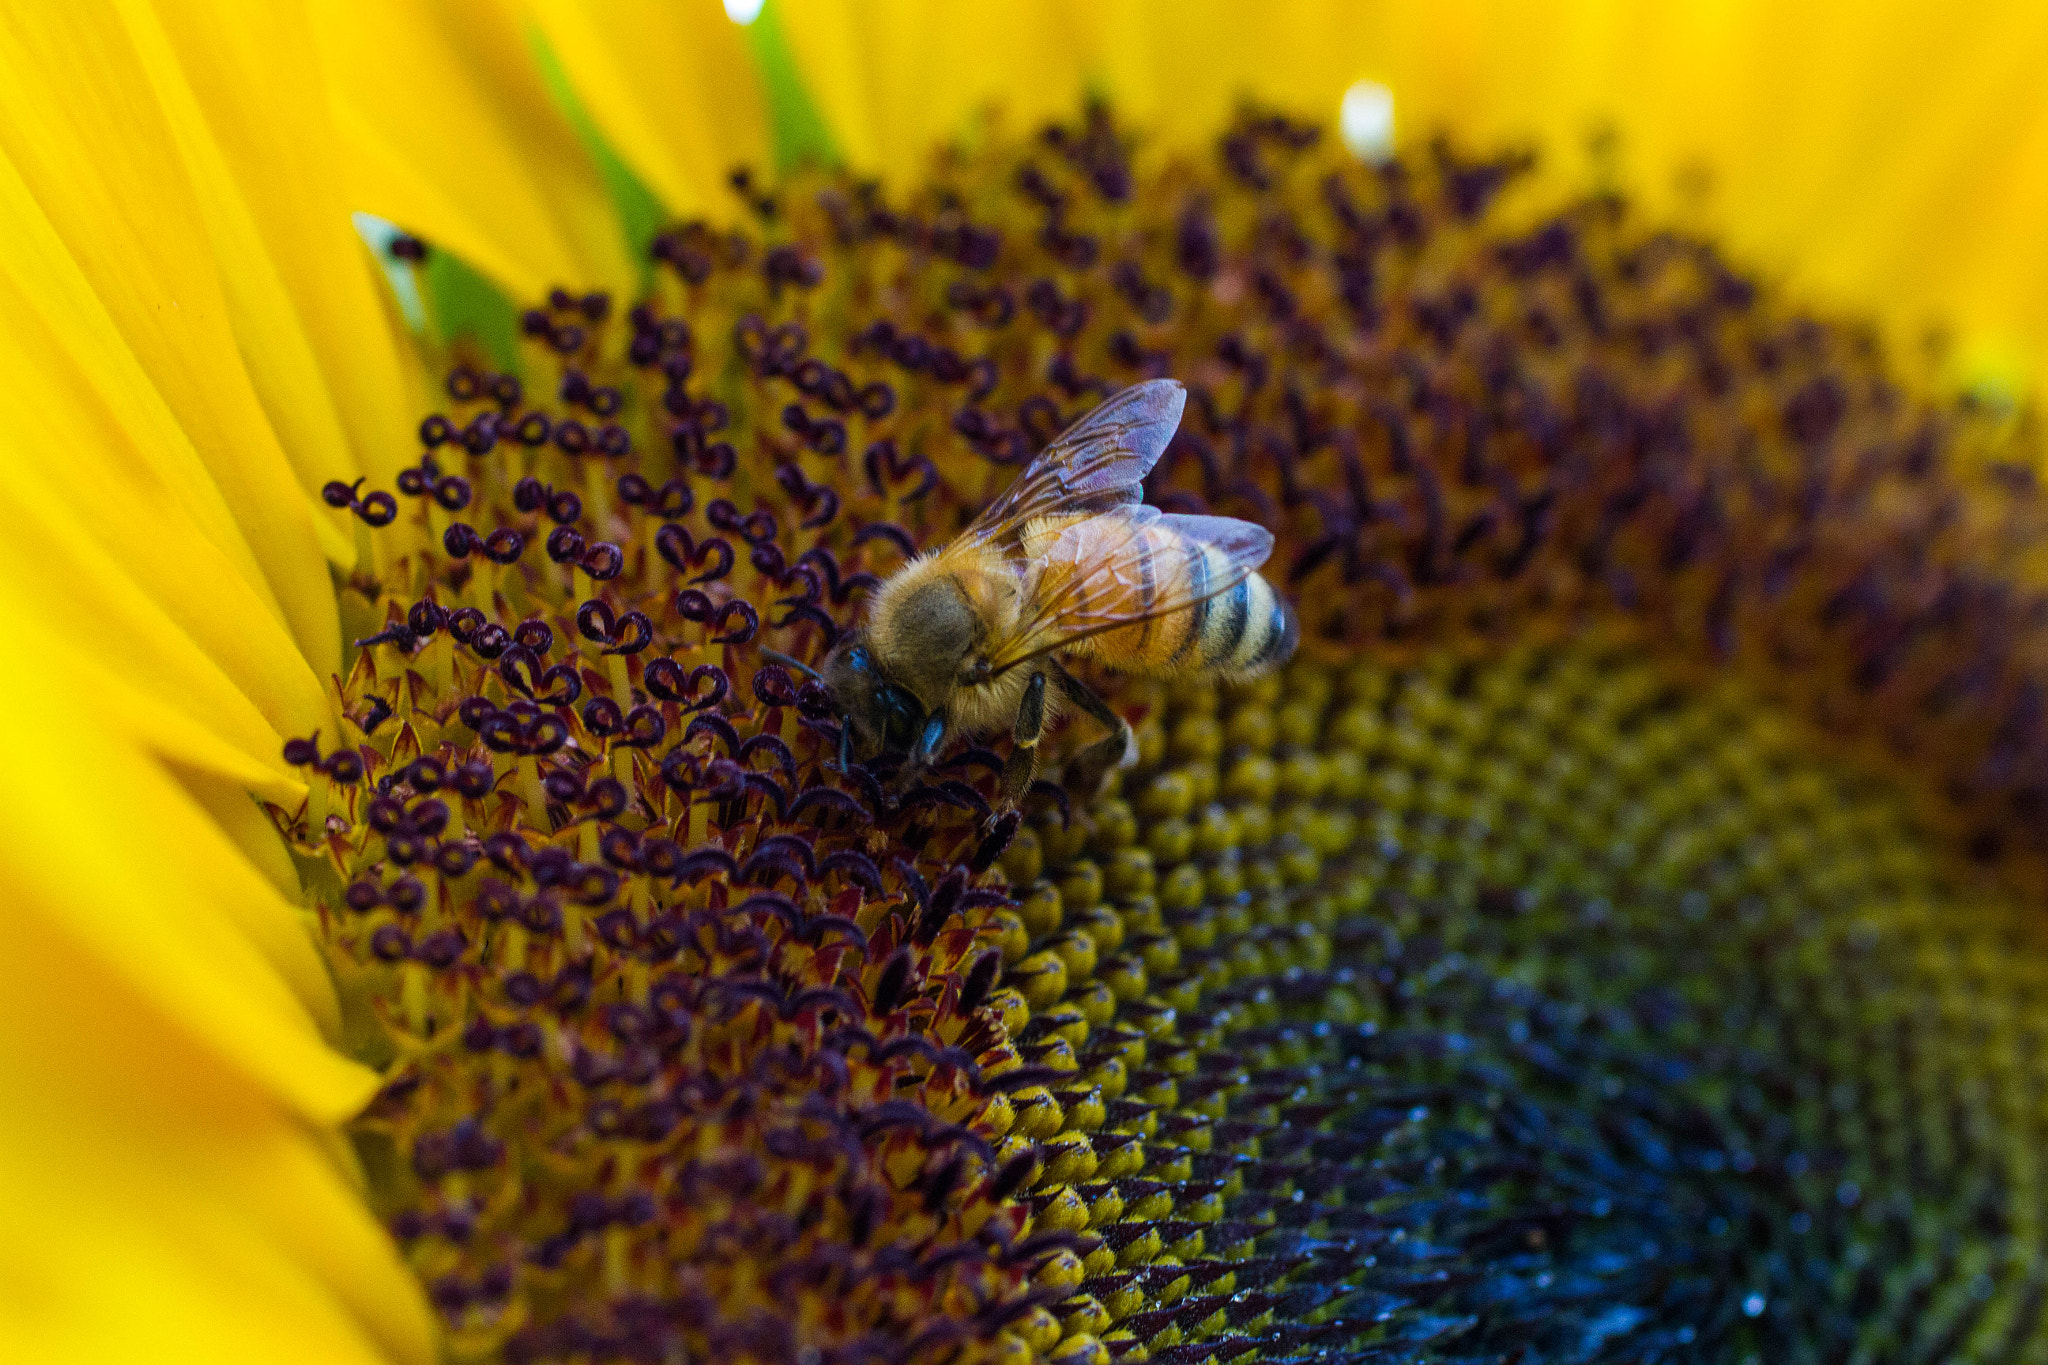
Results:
1098 572
1096 465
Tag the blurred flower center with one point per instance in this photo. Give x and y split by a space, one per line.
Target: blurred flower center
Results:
1537 970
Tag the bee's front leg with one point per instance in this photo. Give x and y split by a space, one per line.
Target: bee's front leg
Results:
929 741
1023 764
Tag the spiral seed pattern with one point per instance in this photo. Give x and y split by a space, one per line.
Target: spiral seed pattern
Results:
1614 938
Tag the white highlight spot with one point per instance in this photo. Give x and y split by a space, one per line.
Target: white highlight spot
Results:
1366 120
743 11
405 285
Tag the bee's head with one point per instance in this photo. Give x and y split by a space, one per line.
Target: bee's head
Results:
880 717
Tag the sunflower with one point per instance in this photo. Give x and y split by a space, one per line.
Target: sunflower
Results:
1615 937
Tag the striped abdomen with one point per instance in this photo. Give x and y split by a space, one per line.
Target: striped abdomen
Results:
1242 631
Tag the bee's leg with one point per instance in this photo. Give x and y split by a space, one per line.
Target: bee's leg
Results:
1086 697
1023 764
917 761
929 741
1118 749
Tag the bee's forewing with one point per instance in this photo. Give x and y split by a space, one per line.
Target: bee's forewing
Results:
1098 464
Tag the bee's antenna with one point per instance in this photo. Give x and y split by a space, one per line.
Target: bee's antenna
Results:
777 657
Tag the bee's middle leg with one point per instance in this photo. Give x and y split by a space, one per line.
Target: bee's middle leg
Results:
1091 767
1030 728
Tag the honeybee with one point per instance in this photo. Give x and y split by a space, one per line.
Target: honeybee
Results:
968 639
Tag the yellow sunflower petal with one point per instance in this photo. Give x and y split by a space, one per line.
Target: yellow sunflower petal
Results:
670 83
180 668
129 1242
241 91
1183 70
1880 158
157 1028
119 539
500 47
166 1200
447 131
52 307
99 848
111 553
91 156
171 1192
894 80
1886 158
2005 275
1910 160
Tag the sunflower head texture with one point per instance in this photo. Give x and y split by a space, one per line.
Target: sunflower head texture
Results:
446 921
1613 937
